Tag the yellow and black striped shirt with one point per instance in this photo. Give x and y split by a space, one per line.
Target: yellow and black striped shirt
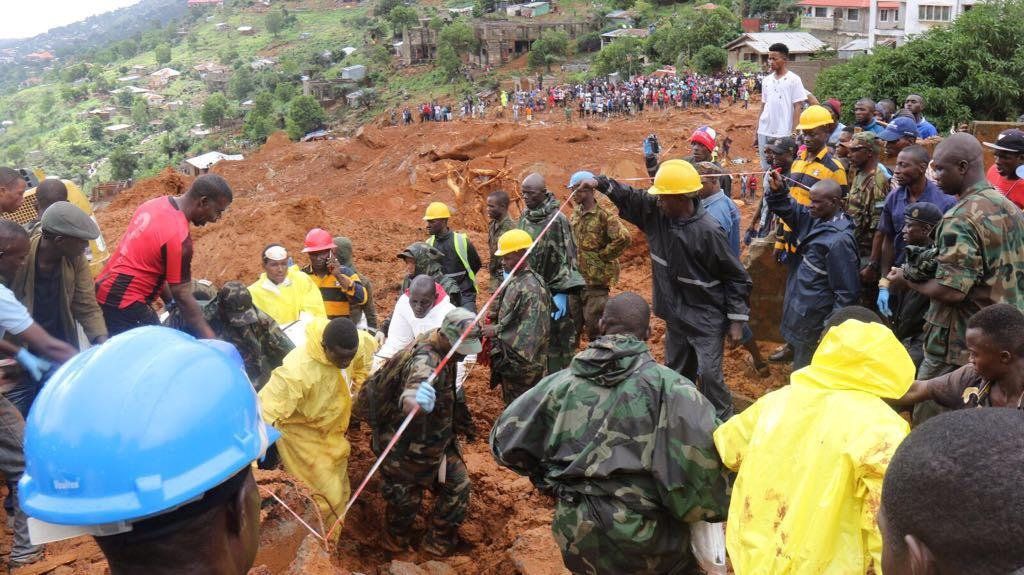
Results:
804 173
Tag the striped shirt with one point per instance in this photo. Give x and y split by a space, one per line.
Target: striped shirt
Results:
804 173
336 299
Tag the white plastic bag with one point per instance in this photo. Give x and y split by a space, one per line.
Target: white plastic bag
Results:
707 541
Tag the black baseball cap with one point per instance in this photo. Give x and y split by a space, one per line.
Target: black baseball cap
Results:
784 144
1009 141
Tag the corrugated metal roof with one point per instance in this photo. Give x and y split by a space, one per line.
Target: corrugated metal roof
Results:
797 42
208 159
628 32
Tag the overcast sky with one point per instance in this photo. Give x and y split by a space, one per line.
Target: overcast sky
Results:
26 18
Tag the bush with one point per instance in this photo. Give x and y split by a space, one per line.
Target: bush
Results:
710 59
969 70
624 55
589 42
214 110
552 46
304 115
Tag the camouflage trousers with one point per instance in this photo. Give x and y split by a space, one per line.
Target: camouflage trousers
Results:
404 497
594 299
564 336
514 383
601 536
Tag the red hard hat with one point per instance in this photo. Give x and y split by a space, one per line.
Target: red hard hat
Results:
318 240
703 138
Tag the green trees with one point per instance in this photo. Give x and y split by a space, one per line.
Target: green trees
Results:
710 59
260 121
689 30
552 46
274 22
122 163
624 55
402 17
140 112
241 83
304 115
969 70
214 110
162 54
454 40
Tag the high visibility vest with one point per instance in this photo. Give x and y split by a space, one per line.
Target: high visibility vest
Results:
461 242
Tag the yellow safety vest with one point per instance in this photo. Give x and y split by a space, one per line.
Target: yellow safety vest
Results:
460 242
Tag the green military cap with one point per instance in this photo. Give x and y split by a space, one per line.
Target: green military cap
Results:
236 304
67 219
865 138
455 322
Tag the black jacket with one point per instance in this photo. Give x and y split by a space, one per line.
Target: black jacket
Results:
698 283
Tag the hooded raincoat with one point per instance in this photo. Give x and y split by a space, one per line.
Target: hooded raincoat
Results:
285 301
626 446
310 403
811 457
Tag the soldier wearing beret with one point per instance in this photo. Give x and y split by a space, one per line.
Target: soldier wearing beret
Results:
55 283
920 219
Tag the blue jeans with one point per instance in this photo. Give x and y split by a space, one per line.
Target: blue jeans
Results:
762 143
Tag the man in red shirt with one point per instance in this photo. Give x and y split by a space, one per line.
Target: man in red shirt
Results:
1007 174
154 257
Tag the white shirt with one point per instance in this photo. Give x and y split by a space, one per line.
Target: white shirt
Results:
779 95
14 317
405 326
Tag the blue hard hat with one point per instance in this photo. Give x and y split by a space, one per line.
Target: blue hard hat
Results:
140 425
579 177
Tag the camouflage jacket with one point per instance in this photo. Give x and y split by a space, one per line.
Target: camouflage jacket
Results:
523 317
864 205
418 453
634 435
980 243
262 345
554 258
428 262
600 240
494 231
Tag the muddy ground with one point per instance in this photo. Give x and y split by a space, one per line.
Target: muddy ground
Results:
373 187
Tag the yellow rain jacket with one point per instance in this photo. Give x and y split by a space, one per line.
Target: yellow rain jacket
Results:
285 301
309 401
811 458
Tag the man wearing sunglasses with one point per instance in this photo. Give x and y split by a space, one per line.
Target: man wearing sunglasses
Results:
868 187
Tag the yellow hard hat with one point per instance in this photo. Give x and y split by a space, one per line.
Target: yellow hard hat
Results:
813 117
513 241
676 177
437 211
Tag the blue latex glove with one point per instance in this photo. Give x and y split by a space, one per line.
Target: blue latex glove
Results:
425 397
883 302
35 366
561 306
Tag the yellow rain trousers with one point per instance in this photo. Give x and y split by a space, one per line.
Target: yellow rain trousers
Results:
284 302
811 457
309 401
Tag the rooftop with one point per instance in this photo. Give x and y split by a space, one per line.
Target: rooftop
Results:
628 32
797 42
208 159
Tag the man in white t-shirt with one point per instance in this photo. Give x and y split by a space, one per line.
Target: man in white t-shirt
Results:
782 98
419 310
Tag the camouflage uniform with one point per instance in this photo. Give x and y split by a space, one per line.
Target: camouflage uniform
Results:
255 335
427 449
554 259
428 262
494 231
626 446
864 205
343 251
600 240
980 243
519 352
